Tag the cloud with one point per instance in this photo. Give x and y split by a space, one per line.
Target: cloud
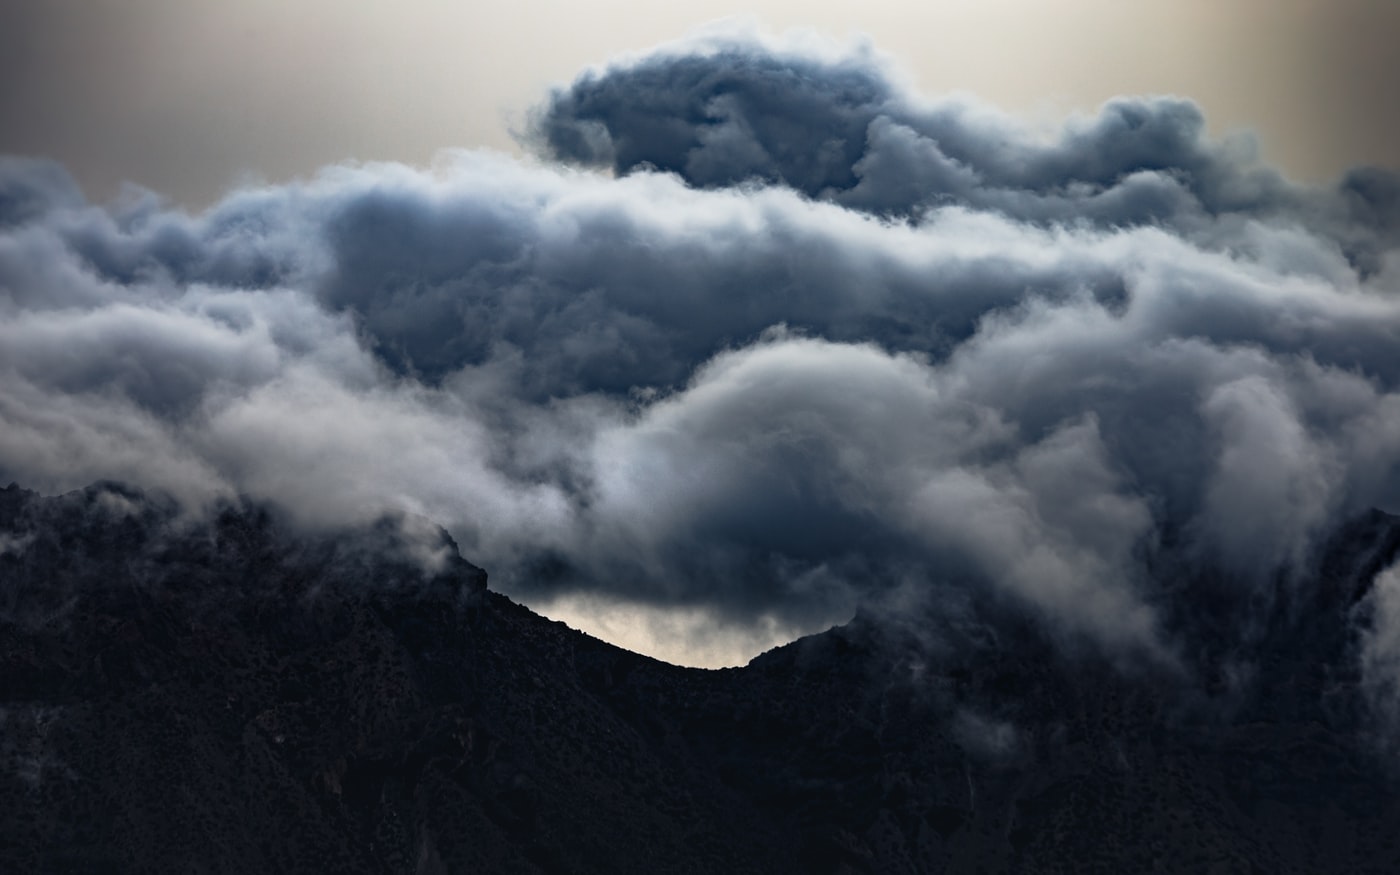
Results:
802 341
1380 654
734 107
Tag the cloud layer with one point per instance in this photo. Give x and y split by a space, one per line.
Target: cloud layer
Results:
793 340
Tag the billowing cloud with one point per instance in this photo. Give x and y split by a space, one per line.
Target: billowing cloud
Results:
796 341
721 110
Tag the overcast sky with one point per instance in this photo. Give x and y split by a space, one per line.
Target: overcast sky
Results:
749 329
189 96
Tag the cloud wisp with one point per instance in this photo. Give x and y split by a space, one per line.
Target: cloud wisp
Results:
760 337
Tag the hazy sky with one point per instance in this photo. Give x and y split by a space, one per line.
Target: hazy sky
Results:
189 96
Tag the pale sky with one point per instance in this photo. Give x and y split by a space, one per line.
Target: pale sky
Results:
188 97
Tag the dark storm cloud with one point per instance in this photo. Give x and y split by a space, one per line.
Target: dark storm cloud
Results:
730 111
822 344
843 130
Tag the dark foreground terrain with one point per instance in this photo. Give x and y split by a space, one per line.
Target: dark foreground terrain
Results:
182 697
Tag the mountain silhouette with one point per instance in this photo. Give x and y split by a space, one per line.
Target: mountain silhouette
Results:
230 693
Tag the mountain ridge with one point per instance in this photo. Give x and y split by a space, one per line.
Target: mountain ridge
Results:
232 695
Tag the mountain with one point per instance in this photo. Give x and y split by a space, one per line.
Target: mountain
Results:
233 694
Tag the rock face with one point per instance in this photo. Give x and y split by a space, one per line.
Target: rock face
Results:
197 696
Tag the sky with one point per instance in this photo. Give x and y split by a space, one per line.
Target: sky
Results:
187 97
746 329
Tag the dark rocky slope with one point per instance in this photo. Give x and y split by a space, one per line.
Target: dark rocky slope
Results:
224 697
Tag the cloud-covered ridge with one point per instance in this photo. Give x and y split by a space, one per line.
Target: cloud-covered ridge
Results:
810 341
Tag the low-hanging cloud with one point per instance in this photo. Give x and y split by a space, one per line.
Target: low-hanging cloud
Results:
805 341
